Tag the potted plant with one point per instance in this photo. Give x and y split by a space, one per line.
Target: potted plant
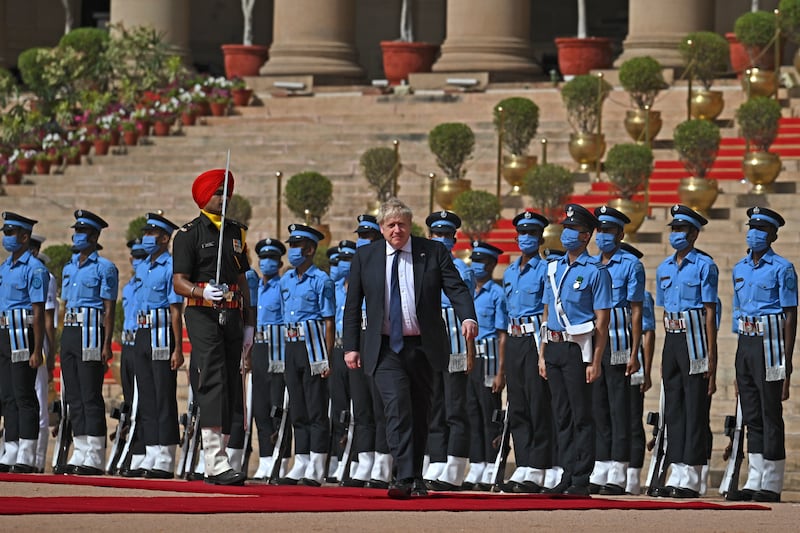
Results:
43 161
643 79
584 96
102 142
629 167
130 133
452 143
72 155
308 197
240 92
549 186
404 56
697 142
245 59
516 120
25 160
705 55
381 166
581 54
164 115
479 210
758 119
752 41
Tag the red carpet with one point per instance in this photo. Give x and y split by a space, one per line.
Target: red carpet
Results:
271 499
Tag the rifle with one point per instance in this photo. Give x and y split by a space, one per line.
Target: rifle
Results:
734 452
281 442
124 459
122 414
347 418
188 421
658 446
503 449
62 432
333 445
248 424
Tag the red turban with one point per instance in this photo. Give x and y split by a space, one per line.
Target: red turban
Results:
207 183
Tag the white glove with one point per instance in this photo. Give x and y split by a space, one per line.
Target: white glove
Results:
212 293
247 341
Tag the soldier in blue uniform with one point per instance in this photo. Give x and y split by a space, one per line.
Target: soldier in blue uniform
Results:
89 290
23 291
449 437
158 348
686 287
529 411
578 299
611 390
487 379
765 317
309 308
268 351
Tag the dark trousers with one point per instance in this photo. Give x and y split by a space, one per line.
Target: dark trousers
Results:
308 402
572 410
685 404
762 410
612 412
449 432
216 356
158 403
404 381
18 393
481 403
267 392
83 382
530 416
127 374
638 439
379 412
363 414
339 390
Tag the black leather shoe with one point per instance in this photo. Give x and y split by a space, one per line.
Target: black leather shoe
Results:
5 468
609 489
485 487
744 495
468 486
532 488
376 484
23 469
194 476
401 489
84 470
286 481
594 488
577 490
308 482
441 485
767 496
358 483
682 492
662 492
137 472
514 487
332 479
158 474
418 490
563 485
228 477
61 469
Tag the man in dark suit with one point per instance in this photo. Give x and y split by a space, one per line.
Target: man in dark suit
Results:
405 341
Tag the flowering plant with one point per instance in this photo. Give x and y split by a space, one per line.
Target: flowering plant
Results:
23 154
76 136
219 95
220 82
238 84
52 142
167 110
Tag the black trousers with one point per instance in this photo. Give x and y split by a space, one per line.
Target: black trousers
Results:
18 393
530 416
685 404
83 382
216 357
127 374
449 431
612 412
363 415
158 403
308 402
404 381
268 390
638 439
379 412
481 403
339 390
762 410
572 410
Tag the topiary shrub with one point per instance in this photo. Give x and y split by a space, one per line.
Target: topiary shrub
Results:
629 167
643 79
59 255
381 167
478 210
239 209
520 120
92 43
758 119
135 228
309 191
584 96
548 185
452 143
697 142
706 57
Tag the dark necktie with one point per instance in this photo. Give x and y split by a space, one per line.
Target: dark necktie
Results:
395 308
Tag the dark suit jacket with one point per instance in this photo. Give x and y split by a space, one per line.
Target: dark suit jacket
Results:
433 272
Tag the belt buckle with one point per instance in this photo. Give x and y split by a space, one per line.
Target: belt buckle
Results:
516 330
259 336
3 321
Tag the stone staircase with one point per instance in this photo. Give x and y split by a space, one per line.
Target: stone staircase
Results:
329 131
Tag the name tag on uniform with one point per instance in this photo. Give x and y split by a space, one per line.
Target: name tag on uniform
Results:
207 245
237 246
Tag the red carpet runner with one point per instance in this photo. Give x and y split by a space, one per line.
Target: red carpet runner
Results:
270 499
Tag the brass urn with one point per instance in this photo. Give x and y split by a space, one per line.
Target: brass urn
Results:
761 169
637 121
635 210
706 105
551 237
587 150
698 193
325 229
514 169
373 206
447 189
758 82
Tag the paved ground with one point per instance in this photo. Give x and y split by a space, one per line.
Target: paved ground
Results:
782 517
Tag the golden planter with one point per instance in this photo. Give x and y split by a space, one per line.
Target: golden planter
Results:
698 193
706 104
761 169
587 150
515 167
637 121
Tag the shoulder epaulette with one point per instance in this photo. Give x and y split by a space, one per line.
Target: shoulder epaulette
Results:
701 252
188 225
237 223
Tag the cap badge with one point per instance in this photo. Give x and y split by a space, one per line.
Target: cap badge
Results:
268 241
475 244
603 209
675 208
292 227
528 214
756 210
443 214
361 218
79 212
570 212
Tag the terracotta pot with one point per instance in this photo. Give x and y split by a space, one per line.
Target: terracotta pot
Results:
241 97
101 147
740 59
218 109
130 137
203 109
43 167
243 60
144 127
74 160
25 165
401 59
188 118
579 56
14 177
84 147
115 137
161 128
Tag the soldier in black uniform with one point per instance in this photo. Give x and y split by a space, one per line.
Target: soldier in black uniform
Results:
219 320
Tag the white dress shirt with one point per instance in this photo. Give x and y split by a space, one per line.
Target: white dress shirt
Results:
405 274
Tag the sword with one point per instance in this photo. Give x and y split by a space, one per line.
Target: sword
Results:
222 317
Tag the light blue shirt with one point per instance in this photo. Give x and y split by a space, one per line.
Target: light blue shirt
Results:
763 288
586 287
307 297
23 282
155 290
627 278
340 294
269 302
466 274
87 285
648 313
129 304
524 287
490 306
252 284
688 285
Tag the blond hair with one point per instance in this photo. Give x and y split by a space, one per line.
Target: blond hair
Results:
393 208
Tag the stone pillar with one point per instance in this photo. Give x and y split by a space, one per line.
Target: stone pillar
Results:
314 37
488 36
655 28
170 17
3 33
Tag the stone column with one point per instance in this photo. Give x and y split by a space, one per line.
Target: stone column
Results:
491 36
3 33
314 37
655 28
170 17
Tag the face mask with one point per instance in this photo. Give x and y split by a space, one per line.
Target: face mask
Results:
677 239
149 244
11 244
269 266
528 244
569 239
606 242
296 257
756 240
480 271
362 242
447 241
335 275
136 262
344 269
80 241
